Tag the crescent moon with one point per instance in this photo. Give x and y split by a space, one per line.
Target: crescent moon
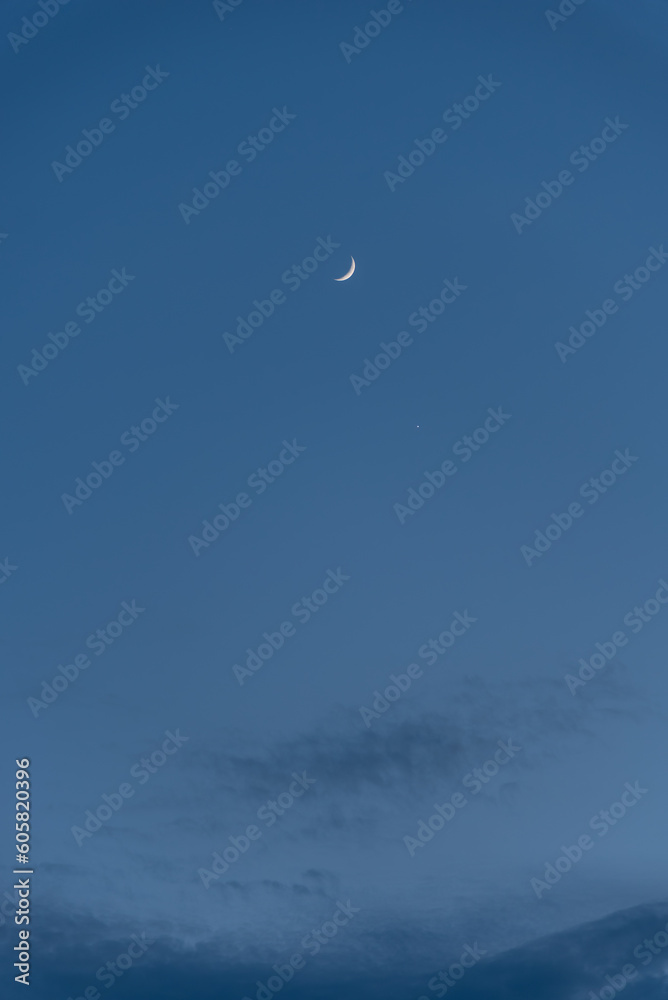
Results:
349 273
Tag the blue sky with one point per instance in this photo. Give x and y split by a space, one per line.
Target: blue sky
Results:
154 358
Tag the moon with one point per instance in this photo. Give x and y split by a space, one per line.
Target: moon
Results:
348 273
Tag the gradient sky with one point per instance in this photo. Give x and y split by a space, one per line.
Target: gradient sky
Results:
333 508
